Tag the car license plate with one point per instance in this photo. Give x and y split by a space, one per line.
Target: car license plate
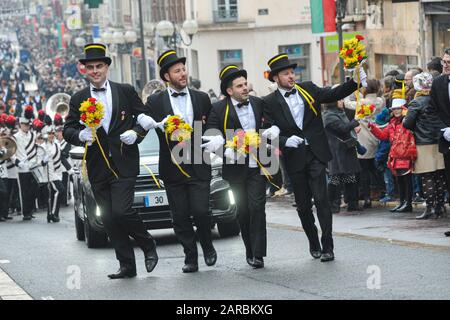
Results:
156 200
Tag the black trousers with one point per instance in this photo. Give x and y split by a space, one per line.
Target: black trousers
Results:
447 170
3 197
405 188
28 191
251 211
186 200
307 183
13 194
65 183
115 200
58 191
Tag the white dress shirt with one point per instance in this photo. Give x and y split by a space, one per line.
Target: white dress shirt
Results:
297 107
182 105
105 97
247 119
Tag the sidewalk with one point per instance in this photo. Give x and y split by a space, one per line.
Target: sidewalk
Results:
376 224
9 290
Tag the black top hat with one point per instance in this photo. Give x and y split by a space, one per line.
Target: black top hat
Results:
166 60
229 73
279 63
95 52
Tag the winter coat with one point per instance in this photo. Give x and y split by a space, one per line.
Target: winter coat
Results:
422 121
403 148
338 129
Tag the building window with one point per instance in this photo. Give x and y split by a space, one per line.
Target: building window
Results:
225 11
263 12
299 54
227 57
397 62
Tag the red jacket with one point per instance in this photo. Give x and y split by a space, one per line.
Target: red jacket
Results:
403 146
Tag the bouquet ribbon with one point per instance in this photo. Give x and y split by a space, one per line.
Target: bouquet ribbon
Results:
173 158
153 175
83 170
310 100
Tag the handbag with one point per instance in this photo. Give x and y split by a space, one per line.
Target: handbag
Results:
349 143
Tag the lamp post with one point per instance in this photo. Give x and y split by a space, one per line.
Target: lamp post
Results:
172 36
143 55
341 5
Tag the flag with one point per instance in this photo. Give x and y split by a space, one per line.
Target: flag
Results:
323 16
61 31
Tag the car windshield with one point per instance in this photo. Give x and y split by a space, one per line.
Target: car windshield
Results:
150 145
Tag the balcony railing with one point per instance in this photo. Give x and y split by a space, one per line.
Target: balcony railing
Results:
225 15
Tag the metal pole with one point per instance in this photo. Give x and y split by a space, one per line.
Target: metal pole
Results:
144 59
341 43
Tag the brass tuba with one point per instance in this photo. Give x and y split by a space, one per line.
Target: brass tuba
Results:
58 103
152 87
10 146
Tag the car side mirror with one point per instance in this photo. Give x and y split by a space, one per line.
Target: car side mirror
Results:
77 153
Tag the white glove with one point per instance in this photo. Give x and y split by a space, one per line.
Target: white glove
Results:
272 133
230 154
362 76
128 137
446 134
86 136
23 165
294 142
45 159
214 143
146 122
3 151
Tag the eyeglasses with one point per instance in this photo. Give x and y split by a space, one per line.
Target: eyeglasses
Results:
445 62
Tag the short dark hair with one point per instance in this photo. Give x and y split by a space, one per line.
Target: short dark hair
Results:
447 51
393 73
373 86
435 64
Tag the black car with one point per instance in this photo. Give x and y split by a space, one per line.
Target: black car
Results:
150 199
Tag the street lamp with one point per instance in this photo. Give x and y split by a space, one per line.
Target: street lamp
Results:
341 6
172 36
80 42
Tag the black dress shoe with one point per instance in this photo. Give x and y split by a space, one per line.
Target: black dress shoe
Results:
2 219
190 267
394 209
8 218
407 207
122 273
210 258
258 263
151 259
316 254
26 218
328 256
447 233
250 261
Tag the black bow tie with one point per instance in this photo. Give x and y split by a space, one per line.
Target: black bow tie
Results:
176 94
245 103
99 90
293 91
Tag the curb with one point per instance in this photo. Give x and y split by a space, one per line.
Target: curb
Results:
10 290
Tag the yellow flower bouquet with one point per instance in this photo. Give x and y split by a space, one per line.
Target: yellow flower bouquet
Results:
244 142
364 111
353 52
178 129
92 112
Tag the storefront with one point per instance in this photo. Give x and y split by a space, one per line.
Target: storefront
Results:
439 13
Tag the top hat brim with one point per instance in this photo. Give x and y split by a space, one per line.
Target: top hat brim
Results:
275 71
166 67
231 77
106 60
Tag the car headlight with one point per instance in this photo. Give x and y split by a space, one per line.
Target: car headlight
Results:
231 196
97 212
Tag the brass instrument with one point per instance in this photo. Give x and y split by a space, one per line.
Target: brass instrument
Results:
10 146
152 87
58 103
